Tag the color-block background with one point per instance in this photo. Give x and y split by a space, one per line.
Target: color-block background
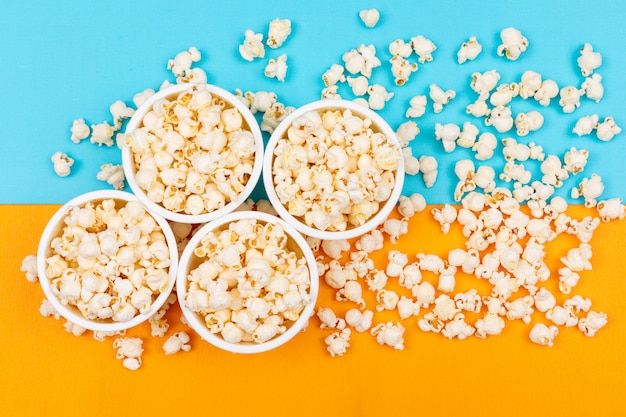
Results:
71 59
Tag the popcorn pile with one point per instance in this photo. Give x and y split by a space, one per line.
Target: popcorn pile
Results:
332 169
507 229
193 153
109 262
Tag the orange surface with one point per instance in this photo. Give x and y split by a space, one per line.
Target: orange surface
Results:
46 371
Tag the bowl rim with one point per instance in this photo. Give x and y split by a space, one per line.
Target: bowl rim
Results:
384 211
198 325
129 166
69 312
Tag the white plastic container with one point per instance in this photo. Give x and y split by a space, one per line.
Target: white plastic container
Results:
250 124
378 125
54 228
189 261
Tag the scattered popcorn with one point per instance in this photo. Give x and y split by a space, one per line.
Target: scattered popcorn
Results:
440 97
589 189
400 48
500 118
611 209
73 329
361 60
484 83
543 335
513 43
585 125
491 324
177 342
129 350
607 129
390 334
504 94
277 68
484 146
423 47
182 62
369 17
530 83
274 115
479 108
592 322
448 135
329 320
79 130
411 163
417 107
334 75
361 321
592 88
102 134
261 303
141 97
62 164
338 342
401 69
469 50
120 111
428 168
252 46
548 90
528 122
570 98
29 266
378 96
46 309
279 31
113 175
588 60
409 205
406 132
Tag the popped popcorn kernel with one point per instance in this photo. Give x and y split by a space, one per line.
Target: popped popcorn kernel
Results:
62 164
369 17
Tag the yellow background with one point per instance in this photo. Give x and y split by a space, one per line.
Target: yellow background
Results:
45 371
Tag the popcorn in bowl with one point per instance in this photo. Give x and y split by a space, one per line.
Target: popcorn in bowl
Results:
247 282
333 169
192 153
105 263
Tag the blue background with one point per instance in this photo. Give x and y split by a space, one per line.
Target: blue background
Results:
70 59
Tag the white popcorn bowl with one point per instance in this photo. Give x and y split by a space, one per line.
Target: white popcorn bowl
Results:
379 125
130 169
71 313
189 261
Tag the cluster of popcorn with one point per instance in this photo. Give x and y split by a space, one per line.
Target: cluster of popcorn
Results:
505 248
109 262
333 169
253 47
249 285
507 230
193 153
